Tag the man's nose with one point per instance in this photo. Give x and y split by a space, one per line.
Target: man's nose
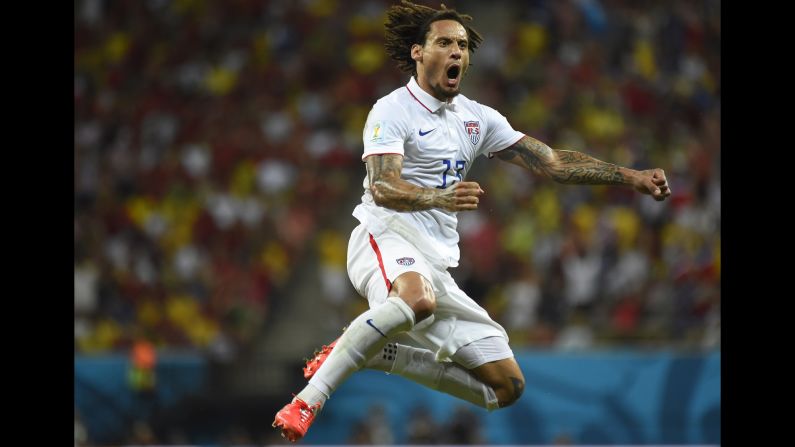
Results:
456 53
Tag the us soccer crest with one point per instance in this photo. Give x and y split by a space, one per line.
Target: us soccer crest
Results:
473 130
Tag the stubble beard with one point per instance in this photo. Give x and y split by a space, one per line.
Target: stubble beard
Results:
440 92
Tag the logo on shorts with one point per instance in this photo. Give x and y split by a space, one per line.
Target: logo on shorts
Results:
405 261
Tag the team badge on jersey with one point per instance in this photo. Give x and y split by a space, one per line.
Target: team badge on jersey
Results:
405 261
473 130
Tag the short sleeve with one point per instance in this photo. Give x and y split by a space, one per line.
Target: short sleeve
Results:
385 131
499 133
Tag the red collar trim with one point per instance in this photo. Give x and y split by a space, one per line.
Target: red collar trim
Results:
415 98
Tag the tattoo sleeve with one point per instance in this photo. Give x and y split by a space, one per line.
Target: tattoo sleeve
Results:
562 166
390 191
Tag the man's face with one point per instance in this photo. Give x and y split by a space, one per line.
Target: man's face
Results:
444 58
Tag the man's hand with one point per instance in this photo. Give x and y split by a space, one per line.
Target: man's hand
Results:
391 191
461 196
653 182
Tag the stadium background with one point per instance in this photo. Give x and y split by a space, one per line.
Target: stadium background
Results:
217 160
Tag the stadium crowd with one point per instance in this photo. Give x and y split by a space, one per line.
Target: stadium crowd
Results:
214 140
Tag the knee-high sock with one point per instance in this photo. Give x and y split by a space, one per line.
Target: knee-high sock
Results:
363 338
420 365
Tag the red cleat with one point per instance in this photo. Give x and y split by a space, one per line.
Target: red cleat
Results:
313 364
295 418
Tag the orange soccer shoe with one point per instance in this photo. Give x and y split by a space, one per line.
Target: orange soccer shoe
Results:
295 418
313 364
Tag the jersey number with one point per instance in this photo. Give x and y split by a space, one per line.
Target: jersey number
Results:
459 166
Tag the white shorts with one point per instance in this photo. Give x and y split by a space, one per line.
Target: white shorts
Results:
374 262
482 351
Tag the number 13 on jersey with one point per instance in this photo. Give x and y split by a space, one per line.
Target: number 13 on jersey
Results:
459 166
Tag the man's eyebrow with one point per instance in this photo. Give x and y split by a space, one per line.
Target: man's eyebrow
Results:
456 38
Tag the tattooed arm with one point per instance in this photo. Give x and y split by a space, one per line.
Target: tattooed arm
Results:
391 191
571 167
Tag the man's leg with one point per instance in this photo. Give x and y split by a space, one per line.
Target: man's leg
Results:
480 388
419 365
483 372
410 300
406 356
504 377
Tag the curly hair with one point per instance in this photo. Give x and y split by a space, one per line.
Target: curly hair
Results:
409 23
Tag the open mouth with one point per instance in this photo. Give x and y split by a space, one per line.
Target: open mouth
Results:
452 75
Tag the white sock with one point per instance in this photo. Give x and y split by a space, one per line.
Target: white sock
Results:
364 337
384 360
312 395
420 365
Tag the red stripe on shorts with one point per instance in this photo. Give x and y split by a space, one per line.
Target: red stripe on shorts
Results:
380 262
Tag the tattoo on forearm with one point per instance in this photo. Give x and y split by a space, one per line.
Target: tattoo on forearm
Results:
390 191
579 168
380 167
531 151
560 165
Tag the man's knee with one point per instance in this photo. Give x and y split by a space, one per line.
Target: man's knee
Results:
417 292
423 309
509 391
505 378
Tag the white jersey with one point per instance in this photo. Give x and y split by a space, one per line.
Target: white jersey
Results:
439 141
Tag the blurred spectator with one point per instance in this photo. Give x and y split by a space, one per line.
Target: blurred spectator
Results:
81 434
143 361
422 428
332 247
523 296
373 429
360 434
463 428
142 434
577 334
562 439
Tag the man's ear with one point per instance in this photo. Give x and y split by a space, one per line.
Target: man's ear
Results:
416 52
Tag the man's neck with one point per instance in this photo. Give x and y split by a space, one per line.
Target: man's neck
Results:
426 87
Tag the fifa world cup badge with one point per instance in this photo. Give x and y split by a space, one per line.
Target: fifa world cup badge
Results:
377 133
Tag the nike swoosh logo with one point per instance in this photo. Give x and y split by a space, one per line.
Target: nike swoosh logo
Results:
422 134
370 322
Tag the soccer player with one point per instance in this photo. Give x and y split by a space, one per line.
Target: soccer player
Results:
419 143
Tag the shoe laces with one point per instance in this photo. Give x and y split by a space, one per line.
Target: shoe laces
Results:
305 411
305 414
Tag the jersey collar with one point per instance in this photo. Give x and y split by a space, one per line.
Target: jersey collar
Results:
430 103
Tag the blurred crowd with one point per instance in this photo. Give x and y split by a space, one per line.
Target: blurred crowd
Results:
463 427
215 141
